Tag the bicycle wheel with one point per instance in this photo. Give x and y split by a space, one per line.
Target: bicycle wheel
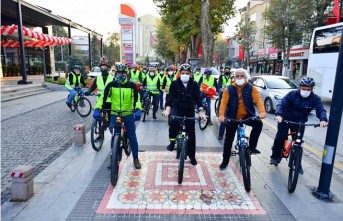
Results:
126 144
182 161
83 107
294 167
72 108
115 160
203 123
244 160
146 109
97 135
216 107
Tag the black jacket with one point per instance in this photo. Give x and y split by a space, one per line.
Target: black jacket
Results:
184 98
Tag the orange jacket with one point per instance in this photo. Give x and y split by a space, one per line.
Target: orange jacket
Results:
241 110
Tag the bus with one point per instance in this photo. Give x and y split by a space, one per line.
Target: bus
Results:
323 57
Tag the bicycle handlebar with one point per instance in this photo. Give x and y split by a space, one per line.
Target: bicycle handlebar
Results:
242 120
301 124
183 118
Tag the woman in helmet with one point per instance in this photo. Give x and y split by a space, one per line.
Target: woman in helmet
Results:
296 106
124 96
184 94
74 79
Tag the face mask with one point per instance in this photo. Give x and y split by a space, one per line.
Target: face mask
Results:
152 74
121 78
170 73
304 93
161 73
104 71
197 72
240 82
184 78
144 71
227 73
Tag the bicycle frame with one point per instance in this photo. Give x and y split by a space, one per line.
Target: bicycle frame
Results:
288 145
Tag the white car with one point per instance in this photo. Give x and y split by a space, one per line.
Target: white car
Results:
272 89
94 72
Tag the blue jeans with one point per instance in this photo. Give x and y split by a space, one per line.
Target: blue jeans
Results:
129 122
154 101
72 93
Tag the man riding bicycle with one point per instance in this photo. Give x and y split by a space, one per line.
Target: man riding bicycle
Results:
184 94
224 81
124 97
74 79
238 103
153 84
296 106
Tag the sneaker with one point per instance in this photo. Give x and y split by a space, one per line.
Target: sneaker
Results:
170 147
210 123
193 161
301 171
162 108
254 151
137 164
220 137
154 116
274 161
68 104
224 164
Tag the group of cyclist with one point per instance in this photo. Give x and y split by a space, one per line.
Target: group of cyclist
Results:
185 89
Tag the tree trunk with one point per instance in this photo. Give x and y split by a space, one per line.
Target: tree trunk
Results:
206 33
196 46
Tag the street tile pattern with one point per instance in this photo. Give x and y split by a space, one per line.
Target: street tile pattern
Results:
36 138
154 189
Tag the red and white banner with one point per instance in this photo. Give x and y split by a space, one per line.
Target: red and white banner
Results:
36 39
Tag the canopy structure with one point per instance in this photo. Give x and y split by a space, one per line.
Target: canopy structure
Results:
32 38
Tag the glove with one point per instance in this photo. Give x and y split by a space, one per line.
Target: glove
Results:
87 93
138 115
96 114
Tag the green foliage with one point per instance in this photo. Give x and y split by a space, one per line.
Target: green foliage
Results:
95 50
61 52
167 45
4 69
247 30
112 48
73 60
61 81
220 49
61 66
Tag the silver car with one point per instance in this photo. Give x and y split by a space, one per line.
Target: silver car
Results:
272 89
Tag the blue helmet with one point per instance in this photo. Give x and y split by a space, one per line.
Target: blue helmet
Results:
208 71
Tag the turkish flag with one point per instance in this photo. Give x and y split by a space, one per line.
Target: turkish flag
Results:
335 10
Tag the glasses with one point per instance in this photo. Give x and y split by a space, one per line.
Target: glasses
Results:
187 73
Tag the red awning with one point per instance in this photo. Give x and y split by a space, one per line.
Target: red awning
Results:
36 39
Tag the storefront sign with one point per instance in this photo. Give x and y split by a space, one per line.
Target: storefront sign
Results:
125 20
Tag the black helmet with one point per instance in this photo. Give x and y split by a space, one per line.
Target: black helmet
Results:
307 82
197 68
186 67
227 67
77 67
121 68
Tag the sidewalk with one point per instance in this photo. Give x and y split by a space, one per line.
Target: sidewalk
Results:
76 185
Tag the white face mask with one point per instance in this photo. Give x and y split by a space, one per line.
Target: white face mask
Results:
184 78
161 73
197 72
240 82
304 93
170 73
152 74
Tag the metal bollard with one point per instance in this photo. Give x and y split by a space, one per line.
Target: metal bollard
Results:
79 134
22 183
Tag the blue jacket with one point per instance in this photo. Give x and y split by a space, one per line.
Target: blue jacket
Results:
294 107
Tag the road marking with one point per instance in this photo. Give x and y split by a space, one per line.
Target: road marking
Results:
308 147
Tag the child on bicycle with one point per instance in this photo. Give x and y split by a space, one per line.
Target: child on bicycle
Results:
184 93
296 106
238 103
74 79
124 97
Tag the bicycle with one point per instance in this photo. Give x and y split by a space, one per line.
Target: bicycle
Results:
217 103
80 103
119 141
146 103
204 123
181 147
243 151
294 151
98 129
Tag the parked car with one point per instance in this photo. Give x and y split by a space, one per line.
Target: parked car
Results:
272 89
94 72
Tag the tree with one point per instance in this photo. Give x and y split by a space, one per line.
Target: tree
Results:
220 48
95 51
61 53
206 33
72 61
246 31
112 48
167 45
184 18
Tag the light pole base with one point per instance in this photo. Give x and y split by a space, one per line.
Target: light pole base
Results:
327 197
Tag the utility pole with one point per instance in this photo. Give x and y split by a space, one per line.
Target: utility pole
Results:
323 191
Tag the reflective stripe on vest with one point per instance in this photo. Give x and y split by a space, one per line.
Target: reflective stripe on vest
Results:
151 84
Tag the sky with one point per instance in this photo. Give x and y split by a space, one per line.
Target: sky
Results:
102 15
